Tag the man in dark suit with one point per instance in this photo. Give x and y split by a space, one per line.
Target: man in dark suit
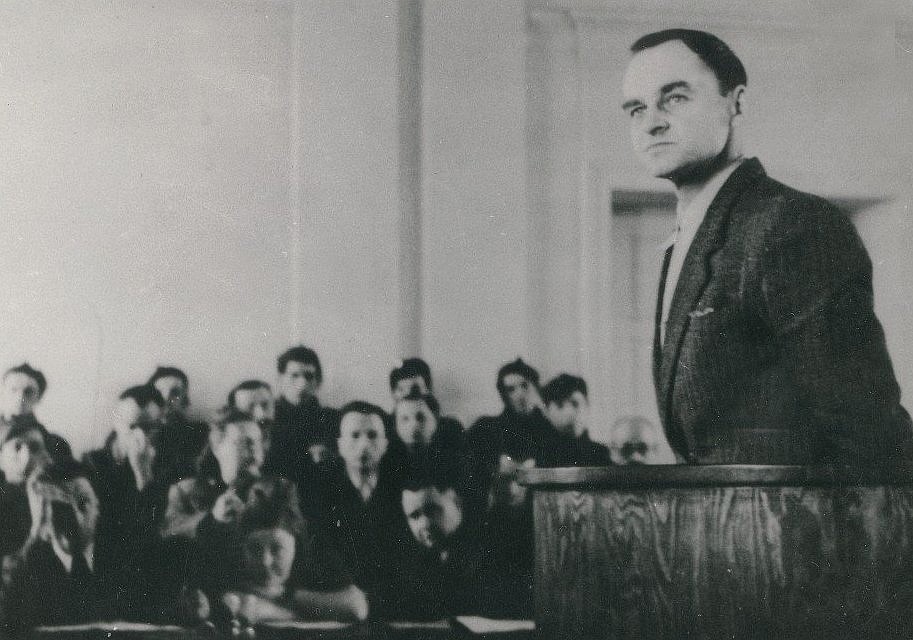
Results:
767 348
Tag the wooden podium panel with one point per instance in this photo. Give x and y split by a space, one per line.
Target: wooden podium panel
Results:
723 552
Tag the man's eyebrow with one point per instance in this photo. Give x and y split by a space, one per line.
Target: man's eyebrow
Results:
672 86
628 104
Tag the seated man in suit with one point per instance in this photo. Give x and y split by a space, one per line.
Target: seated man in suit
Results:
23 456
567 407
359 503
228 468
431 564
304 432
182 439
62 577
21 390
767 349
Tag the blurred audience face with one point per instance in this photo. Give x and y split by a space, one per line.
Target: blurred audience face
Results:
569 417
362 441
24 455
174 391
19 394
520 393
239 449
268 555
634 440
299 383
71 509
433 515
415 423
134 422
258 403
405 386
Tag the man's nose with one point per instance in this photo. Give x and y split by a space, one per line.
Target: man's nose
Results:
655 121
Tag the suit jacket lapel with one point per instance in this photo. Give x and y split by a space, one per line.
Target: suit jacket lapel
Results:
695 275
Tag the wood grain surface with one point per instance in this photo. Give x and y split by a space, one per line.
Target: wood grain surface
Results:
727 562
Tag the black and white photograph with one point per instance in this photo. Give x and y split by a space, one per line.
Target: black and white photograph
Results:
453 319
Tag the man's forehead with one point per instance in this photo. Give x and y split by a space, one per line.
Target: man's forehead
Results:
17 379
651 69
355 421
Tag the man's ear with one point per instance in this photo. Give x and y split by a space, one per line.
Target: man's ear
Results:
738 100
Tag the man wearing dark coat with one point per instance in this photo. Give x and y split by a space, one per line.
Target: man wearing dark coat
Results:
767 349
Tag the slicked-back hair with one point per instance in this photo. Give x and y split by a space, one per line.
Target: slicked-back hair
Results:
365 408
713 52
559 389
34 374
169 372
409 368
143 394
247 385
302 354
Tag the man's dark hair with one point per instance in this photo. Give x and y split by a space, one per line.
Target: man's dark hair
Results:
169 372
713 52
559 389
275 505
301 354
247 385
409 368
143 394
366 408
521 369
433 405
34 374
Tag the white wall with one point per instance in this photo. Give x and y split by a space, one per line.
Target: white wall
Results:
170 195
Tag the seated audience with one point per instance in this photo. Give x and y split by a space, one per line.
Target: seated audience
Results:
182 439
304 432
63 577
635 440
21 391
567 407
227 470
431 570
359 503
261 562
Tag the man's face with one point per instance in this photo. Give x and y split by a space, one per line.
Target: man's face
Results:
415 422
679 121
257 403
20 394
519 392
299 383
73 514
268 555
568 417
129 416
174 391
239 450
405 386
21 456
362 441
433 515
633 441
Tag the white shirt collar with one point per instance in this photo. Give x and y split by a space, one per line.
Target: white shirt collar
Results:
362 481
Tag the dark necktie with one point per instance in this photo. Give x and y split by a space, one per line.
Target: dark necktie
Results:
80 572
657 336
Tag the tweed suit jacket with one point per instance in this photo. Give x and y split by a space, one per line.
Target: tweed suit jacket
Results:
772 351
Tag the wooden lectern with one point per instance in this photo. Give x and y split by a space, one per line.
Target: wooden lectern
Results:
723 551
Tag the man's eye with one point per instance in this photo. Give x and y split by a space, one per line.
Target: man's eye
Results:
675 98
637 111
